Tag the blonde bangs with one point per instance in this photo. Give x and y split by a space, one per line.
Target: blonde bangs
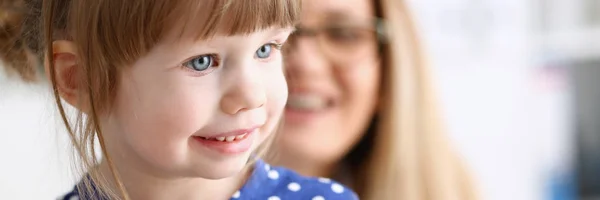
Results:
233 17
128 29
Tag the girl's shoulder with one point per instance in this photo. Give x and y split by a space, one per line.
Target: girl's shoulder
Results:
276 183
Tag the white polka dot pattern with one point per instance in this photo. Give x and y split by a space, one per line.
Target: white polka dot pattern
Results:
236 195
318 198
273 174
337 188
324 180
274 198
294 187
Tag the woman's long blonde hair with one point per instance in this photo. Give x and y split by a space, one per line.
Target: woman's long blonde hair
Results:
110 35
409 157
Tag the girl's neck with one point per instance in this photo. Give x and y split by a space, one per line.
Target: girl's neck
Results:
140 185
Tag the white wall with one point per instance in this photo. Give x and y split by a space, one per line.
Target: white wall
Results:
510 124
33 149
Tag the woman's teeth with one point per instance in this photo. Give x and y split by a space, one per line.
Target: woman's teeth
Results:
227 139
306 102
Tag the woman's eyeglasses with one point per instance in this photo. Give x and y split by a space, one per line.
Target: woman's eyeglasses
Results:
341 42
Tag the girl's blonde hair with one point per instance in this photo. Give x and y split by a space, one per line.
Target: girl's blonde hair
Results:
112 34
407 156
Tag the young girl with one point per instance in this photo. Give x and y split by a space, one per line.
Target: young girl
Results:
181 95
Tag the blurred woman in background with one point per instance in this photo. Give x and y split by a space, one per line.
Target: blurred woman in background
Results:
361 108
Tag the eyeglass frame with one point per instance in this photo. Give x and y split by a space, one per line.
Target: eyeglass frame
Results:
379 29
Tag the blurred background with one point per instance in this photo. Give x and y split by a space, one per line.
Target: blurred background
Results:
517 79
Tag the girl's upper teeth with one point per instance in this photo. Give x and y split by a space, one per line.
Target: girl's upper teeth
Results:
228 138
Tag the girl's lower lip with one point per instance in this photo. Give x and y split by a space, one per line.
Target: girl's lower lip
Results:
234 147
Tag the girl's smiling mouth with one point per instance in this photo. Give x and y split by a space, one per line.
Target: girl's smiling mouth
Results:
233 142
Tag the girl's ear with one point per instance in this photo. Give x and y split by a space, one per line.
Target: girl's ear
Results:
68 73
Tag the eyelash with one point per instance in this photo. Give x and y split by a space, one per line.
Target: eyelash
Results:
217 59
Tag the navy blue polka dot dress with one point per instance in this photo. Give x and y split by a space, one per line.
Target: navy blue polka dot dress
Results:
277 183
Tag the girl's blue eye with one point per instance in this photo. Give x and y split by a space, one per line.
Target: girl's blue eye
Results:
264 51
201 63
